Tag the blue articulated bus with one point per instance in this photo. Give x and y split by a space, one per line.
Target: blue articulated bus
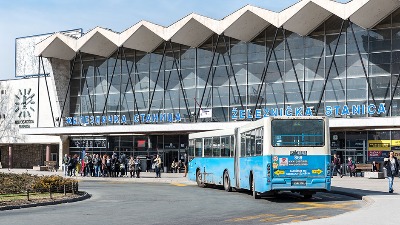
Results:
266 156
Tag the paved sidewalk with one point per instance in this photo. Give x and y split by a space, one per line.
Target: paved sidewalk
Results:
145 177
381 206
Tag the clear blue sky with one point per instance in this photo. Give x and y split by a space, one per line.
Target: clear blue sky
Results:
21 18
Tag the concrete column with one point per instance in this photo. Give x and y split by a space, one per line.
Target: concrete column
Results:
10 157
63 148
47 152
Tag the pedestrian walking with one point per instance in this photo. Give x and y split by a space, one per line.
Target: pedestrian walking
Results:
392 167
336 165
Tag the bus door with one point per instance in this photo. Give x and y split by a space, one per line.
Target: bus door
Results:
237 155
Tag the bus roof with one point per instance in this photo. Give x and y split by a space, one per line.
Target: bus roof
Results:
213 133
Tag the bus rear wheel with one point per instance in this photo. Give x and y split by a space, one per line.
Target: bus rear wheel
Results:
227 182
199 180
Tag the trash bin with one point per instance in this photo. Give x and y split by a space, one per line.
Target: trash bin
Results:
165 169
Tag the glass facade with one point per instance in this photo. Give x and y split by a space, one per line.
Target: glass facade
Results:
169 147
338 64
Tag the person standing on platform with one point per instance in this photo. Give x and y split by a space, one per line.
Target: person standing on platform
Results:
392 167
137 166
65 164
351 167
158 163
131 164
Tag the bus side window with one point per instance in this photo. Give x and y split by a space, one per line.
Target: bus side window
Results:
207 146
232 145
216 146
225 148
198 147
242 144
259 141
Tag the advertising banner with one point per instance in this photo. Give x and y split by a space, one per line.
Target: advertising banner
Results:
379 149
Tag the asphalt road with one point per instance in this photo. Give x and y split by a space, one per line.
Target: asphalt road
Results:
158 203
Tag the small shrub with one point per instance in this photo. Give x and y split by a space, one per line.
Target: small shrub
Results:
20 183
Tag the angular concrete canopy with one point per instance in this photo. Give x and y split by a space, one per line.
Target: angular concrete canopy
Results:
342 10
248 22
143 36
98 41
373 12
57 46
192 30
301 18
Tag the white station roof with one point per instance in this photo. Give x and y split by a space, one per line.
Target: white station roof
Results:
193 30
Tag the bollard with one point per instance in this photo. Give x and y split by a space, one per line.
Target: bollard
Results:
65 192
73 189
27 194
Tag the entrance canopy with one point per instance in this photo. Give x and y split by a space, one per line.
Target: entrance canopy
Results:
132 129
370 123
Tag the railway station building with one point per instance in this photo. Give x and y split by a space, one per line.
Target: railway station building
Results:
143 90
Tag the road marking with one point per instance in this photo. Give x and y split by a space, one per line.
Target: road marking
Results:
269 218
313 205
179 184
250 218
281 218
277 218
310 218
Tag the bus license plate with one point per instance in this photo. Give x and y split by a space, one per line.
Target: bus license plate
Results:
299 183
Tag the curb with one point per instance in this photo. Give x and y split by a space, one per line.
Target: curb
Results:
84 196
366 199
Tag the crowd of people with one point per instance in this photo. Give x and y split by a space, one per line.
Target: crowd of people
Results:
112 165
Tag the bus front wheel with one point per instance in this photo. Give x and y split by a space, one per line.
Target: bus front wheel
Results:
227 182
199 180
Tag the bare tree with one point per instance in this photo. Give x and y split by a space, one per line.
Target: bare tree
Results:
9 131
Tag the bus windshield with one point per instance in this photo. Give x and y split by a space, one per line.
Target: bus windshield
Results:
289 132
